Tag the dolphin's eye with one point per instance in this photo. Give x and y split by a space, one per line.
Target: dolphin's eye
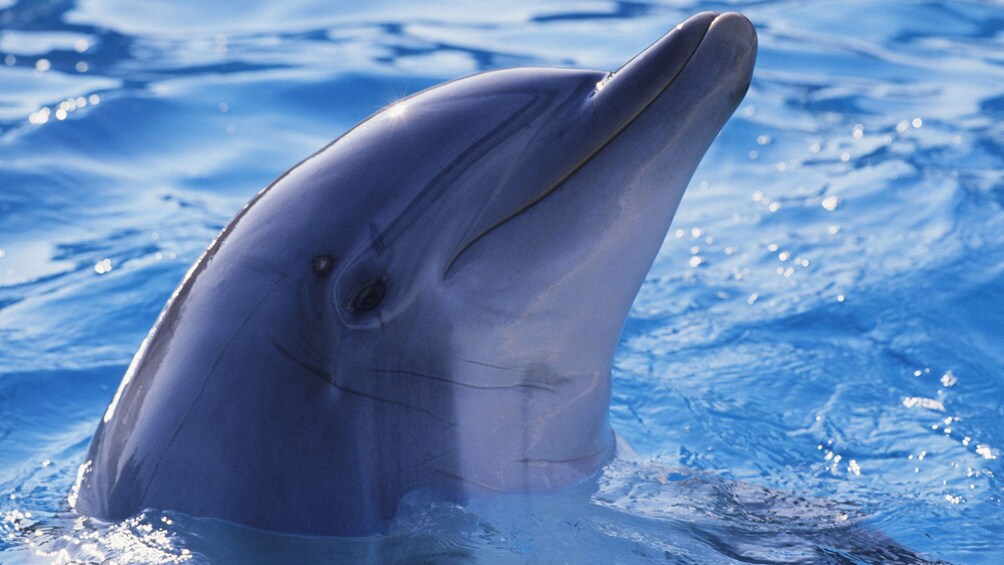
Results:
368 296
322 265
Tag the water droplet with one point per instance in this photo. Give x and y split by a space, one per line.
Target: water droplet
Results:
103 266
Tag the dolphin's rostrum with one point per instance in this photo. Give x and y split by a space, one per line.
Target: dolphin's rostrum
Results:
432 301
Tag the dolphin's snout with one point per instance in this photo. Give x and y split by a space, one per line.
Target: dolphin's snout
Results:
735 26
646 75
732 40
728 38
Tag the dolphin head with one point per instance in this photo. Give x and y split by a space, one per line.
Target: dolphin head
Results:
433 300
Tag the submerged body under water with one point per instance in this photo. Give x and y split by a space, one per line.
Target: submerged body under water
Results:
813 370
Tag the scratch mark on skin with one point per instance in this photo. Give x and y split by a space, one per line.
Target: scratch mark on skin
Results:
421 463
376 239
316 371
205 380
486 364
394 403
458 383
556 379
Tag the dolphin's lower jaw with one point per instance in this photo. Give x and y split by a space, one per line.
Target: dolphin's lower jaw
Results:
431 302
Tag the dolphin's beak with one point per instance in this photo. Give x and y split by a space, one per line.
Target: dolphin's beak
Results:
687 84
626 93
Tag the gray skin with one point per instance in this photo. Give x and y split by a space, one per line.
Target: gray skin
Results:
432 301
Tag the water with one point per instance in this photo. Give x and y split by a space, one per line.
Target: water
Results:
812 371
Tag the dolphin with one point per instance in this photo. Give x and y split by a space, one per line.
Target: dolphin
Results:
431 302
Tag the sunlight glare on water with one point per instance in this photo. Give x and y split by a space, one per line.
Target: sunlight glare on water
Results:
812 370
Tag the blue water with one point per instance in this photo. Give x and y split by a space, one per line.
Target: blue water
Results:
813 371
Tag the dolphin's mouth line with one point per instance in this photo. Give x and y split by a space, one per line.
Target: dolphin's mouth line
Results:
585 159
